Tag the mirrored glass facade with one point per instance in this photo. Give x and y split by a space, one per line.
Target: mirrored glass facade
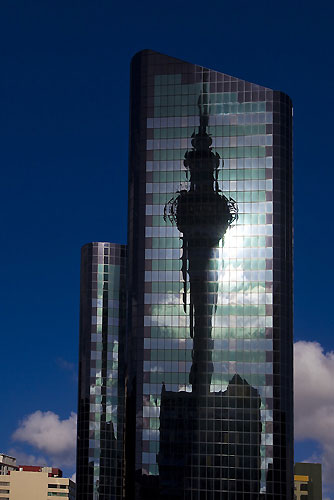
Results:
101 372
209 318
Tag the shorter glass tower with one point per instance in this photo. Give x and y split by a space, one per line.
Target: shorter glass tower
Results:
101 377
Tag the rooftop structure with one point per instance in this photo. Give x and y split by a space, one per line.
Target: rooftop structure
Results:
7 464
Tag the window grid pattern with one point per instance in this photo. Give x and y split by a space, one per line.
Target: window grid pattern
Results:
241 123
243 319
101 398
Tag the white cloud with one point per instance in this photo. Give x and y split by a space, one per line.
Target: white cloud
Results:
46 432
23 458
314 402
74 478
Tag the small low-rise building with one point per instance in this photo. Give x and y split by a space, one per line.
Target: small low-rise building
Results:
36 483
301 487
308 481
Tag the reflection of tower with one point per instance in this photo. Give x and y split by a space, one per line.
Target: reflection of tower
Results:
203 215
208 441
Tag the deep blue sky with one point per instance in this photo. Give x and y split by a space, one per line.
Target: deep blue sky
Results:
64 146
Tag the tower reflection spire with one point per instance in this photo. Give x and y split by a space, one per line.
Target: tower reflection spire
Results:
202 214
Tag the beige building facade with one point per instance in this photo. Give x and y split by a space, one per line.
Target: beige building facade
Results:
35 485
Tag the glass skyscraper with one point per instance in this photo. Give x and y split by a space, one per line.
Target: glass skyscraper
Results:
208 356
101 372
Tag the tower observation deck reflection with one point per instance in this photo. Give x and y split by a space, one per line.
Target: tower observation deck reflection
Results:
209 441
